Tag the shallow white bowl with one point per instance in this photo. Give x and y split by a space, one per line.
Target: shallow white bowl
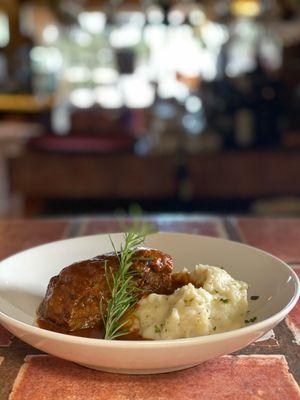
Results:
24 278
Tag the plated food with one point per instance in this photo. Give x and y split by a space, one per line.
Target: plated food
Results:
212 302
73 298
141 297
24 278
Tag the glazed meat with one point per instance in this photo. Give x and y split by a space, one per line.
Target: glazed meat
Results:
72 300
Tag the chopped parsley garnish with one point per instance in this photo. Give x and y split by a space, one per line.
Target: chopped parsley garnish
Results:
249 321
254 297
157 329
225 301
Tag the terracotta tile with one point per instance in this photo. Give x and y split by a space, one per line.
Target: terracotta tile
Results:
5 337
103 225
193 224
19 235
293 319
268 336
268 341
280 236
229 377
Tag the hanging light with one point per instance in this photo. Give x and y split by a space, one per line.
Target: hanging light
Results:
246 8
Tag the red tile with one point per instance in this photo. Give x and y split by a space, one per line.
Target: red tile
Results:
293 319
267 341
197 225
230 377
5 337
21 234
280 236
103 225
18 235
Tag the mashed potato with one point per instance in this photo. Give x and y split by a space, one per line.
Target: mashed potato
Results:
219 305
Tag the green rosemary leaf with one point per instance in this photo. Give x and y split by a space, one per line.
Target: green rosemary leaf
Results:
124 292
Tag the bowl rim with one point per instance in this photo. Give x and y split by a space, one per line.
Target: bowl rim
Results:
144 344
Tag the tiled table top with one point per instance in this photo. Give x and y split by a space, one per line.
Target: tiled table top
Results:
268 369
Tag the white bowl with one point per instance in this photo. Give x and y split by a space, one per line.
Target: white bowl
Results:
24 278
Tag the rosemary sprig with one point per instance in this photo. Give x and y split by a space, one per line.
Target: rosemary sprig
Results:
124 292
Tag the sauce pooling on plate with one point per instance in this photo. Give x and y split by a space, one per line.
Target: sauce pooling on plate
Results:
166 305
92 333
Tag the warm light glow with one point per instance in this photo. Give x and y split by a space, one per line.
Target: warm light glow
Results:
242 49
247 8
155 15
197 17
78 74
237 67
176 17
270 52
109 97
145 72
136 18
214 35
105 56
155 36
137 93
125 36
50 34
82 98
188 58
193 104
93 22
105 76
176 51
47 59
80 37
169 88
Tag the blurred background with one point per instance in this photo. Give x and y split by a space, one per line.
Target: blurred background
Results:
178 106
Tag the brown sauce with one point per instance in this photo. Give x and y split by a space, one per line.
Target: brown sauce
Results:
179 279
93 333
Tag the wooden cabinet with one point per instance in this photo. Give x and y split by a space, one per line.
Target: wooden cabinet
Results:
42 176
